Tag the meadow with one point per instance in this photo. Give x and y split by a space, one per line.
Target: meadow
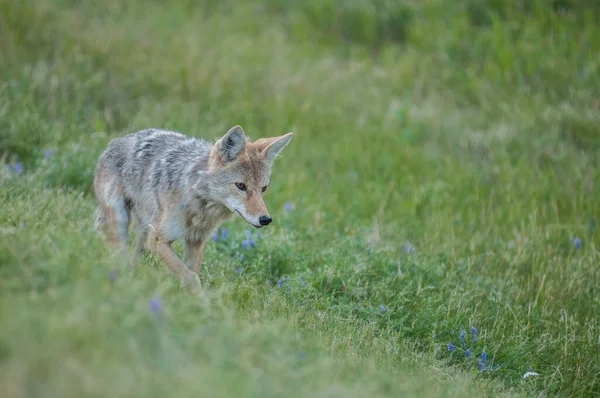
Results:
435 216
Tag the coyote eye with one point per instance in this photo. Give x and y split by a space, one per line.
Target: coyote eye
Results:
265 188
241 186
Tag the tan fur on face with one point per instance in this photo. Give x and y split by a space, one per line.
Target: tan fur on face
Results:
255 176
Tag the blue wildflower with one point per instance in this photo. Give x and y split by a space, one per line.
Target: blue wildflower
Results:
461 336
215 236
468 353
474 333
247 243
480 365
113 274
18 169
48 153
483 356
248 234
155 305
408 248
575 242
237 270
450 347
257 234
288 207
301 281
382 308
224 233
279 281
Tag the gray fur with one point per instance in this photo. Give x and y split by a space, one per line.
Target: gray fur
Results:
231 144
176 187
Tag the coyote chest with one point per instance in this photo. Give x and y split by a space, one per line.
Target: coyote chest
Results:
193 221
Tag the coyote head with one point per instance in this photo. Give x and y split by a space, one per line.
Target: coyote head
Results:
239 173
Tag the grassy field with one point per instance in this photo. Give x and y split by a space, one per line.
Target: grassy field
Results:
435 216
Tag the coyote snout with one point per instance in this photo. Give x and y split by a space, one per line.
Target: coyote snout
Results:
176 187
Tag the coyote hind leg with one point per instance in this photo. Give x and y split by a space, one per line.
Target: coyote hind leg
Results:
113 222
113 212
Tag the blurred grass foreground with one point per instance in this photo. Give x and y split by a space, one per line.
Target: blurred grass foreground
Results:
435 217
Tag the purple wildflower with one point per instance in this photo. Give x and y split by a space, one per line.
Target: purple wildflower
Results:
48 153
302 281
237 270
155 305
215 236
474 333
382 308
461 336
288 207
483 356
257 234
468 353
18 168
480 365
224 233
450 347
279 281
248 234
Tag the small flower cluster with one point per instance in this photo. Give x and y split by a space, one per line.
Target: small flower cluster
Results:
408 248
482 363
285 281
155 305
249 242
17 167
223 235
113 275
576 242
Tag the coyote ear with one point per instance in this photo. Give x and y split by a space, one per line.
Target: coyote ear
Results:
275 147
230 145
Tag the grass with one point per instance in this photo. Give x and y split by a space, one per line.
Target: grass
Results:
445 161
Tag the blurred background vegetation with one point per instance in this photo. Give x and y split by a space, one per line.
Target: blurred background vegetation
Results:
470 128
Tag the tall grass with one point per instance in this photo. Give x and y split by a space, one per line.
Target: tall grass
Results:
443 176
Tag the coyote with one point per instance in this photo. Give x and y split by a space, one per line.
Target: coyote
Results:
177 187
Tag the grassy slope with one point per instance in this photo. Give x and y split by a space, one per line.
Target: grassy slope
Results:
475 139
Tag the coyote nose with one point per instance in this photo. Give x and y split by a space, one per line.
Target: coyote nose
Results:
265 220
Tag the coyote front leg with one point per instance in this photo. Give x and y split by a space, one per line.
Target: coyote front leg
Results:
158 245
192 257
